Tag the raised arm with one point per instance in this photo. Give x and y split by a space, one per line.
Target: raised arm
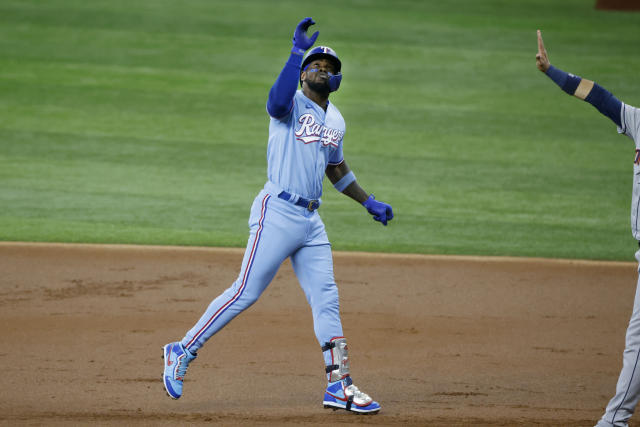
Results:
344 180
281 94
581 88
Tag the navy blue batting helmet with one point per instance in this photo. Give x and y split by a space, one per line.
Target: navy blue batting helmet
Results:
330 54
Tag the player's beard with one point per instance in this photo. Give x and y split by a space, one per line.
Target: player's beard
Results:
321 88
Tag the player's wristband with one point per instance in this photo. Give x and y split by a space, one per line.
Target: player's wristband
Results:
345 181
567 81
298 51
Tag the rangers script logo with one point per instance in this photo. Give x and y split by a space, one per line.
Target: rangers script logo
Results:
310 131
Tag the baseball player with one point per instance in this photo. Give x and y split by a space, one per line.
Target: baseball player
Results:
627 118
305 142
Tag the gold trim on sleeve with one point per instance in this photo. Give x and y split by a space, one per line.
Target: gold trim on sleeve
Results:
583 89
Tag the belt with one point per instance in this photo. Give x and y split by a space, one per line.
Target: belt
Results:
311 205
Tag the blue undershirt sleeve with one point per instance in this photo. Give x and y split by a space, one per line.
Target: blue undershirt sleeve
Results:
606 103
567 82
599 97
281 94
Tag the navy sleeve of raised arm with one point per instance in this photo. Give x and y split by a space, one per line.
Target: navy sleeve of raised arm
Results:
598 96
281 94
567 82
606 103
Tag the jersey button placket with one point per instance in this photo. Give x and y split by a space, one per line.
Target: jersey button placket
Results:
318 154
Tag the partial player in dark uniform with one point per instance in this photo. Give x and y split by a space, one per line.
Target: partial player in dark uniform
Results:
627 118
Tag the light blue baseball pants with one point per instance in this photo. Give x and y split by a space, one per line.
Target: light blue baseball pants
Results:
278 229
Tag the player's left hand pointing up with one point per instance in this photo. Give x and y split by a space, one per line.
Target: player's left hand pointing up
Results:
542 61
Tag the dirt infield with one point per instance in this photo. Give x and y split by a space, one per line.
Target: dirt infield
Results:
438 341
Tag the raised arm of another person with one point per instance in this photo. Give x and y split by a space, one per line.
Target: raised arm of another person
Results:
581 88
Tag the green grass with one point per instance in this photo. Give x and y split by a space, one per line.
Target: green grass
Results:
144 122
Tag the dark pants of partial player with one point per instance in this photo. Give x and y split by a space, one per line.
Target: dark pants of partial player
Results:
621 407
278 230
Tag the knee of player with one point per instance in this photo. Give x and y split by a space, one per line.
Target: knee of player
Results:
326 290
326 306
245 295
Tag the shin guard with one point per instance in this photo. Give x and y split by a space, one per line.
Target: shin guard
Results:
339 367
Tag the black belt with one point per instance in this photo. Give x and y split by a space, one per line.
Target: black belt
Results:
312 205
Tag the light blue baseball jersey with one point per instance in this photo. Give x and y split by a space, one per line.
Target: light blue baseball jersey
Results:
302 144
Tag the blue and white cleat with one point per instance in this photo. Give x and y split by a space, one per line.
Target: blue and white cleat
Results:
343 394
176 360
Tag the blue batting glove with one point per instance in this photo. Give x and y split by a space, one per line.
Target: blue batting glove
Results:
381 211
302 42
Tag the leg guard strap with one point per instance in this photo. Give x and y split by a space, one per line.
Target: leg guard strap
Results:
330 345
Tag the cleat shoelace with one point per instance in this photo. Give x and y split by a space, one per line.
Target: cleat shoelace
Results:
352 390
182 368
